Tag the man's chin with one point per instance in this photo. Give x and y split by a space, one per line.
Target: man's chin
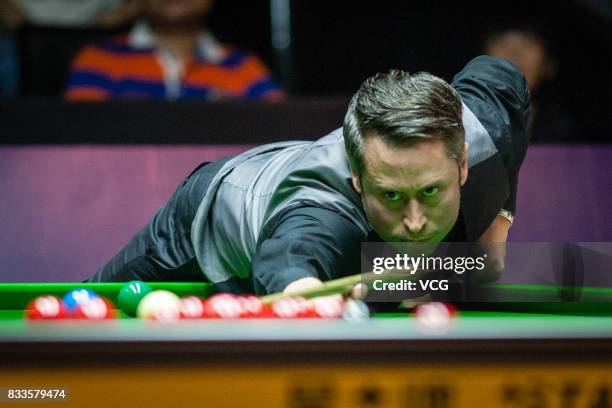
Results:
414 248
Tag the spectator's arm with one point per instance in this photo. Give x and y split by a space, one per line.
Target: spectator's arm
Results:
87 80
261 84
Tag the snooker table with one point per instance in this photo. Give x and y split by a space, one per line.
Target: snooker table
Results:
538 352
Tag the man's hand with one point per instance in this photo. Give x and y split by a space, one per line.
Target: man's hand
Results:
302 284
358 291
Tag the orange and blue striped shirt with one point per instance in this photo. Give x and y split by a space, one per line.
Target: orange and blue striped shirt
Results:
132 67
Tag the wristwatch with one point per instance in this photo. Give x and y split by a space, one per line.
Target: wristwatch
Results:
507 215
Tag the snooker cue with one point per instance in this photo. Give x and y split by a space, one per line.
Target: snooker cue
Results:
344 285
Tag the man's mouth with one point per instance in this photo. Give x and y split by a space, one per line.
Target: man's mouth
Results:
409 240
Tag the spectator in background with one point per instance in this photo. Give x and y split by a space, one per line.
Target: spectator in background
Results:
168 55
68 13
15 14
529 48
9 71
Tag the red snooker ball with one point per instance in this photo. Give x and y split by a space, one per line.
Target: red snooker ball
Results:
435 317
286 308
250 306
439 308
222 306
192 307
266 312
306 308
328 307
97 308
45 308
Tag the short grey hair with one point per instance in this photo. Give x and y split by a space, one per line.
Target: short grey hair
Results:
400 108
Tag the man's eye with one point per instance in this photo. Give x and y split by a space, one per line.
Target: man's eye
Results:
429 192
392 195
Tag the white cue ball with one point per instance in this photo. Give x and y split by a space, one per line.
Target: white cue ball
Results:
355 311
160 305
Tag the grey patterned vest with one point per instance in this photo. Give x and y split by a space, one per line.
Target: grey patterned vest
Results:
256 185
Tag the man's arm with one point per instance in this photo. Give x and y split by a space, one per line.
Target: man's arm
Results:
497 231
493 243
496 93
303 247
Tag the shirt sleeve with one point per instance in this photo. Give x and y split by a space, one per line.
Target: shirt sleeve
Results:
305 242
89 78
250 76
510 204
497 93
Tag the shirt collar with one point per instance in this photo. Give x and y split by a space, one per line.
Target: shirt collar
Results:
141 37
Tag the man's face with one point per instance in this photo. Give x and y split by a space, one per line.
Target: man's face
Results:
176 11
410 192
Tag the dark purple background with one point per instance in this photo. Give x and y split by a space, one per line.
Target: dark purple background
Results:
65 210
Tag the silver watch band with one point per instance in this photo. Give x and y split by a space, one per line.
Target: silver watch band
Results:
507 215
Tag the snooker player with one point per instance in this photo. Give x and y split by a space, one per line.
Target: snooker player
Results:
417 160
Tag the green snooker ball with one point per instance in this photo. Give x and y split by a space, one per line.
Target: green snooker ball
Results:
130 295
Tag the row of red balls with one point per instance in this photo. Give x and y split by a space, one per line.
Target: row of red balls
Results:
220 306
228 306
51 307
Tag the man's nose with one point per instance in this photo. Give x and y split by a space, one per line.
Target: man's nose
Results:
414 217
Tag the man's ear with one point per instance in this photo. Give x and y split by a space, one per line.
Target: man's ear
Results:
464 165
356 182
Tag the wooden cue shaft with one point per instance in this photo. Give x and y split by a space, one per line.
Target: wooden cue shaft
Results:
344 285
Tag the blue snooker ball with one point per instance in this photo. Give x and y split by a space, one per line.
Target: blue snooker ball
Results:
78 297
